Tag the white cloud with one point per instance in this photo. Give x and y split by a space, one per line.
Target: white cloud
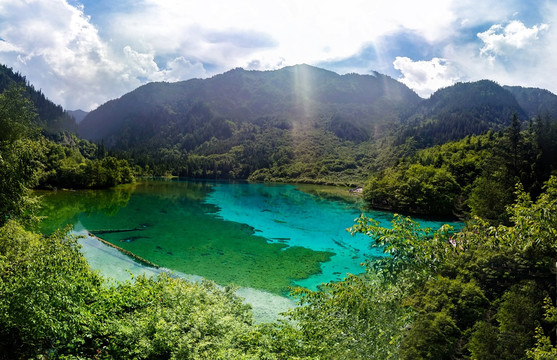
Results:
425 77
140 64
180 69
80 61
502 40
143 66
286 32
512 53
58 50
7 47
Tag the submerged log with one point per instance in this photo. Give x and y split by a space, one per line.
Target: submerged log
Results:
109 231
129 253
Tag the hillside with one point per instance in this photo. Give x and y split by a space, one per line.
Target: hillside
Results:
299 95
535 101
299 123
52 117
78 115
459 110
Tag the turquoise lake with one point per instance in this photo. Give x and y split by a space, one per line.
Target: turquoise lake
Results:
266 237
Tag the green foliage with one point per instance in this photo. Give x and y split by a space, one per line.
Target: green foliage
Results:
20 162
53 306
17 115
46 287
433 336
489 199
172 319
432 181
19 156
358 318
472 176
461 110
477 293
76 166
409 248
52 118
413 189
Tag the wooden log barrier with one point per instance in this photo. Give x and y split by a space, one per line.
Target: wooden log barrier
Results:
129 253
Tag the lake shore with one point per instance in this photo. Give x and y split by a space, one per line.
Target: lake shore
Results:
116 266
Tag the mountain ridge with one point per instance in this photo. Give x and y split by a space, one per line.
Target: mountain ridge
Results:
294 92
462 109
296 123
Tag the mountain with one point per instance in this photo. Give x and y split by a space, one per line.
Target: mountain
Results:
535 101
78 115
299 123
459 110
359 106
52 117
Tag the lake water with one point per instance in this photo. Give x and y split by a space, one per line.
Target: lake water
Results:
261 237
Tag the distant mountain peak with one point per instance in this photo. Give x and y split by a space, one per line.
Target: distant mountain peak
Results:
78 115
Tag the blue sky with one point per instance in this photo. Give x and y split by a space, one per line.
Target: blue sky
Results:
82 53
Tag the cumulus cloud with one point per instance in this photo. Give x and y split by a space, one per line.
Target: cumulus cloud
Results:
143 66
7 47
425 77
180 68
61 52
57 48
502 40
512 53
242 32
83 61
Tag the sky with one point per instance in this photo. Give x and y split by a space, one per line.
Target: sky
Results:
82 53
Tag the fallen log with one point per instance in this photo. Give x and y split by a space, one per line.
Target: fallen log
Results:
109 231
129 253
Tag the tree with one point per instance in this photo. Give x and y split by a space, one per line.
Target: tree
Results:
19 156
17 114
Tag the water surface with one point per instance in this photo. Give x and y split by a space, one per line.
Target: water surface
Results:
262 236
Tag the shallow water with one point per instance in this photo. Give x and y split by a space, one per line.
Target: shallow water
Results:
267 237
115 266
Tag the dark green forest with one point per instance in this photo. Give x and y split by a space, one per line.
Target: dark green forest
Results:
472 176
487 291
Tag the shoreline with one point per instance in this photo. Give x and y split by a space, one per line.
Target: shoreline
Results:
117 265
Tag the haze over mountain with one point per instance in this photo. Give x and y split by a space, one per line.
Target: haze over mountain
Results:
353 106
296 123
78 115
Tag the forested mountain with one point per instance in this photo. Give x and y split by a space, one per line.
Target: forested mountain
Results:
459 110
535 101
299 123
53 118
350 105
78 115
